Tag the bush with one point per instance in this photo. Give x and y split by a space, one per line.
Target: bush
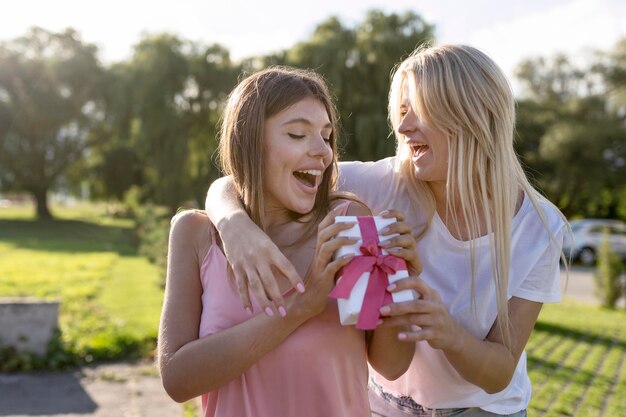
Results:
152 231
608 273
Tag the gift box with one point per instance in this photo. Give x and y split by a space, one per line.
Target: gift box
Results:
361 288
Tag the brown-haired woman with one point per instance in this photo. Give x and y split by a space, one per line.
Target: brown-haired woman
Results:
278 143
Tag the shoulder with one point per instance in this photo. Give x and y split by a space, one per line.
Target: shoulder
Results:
540 221
367 179
553 217
191 226
381 167
352 207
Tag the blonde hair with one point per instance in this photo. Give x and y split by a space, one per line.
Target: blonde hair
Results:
241 151
461 92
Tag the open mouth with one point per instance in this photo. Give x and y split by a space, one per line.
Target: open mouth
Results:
419 149
307 177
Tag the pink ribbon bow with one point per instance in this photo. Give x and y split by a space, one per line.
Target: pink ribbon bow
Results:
378 265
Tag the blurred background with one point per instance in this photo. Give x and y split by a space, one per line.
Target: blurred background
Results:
108 116
121 100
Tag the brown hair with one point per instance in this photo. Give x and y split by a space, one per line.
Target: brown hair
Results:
241 152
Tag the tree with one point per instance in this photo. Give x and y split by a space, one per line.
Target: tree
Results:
357 64
49 89
114 165
571 131
212 76
159 71
158 132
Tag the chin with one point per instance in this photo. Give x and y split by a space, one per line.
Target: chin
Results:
303 209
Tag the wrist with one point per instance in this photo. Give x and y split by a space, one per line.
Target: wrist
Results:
458 343
298 307
229 224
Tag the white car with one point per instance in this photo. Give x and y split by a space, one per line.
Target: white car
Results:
588 236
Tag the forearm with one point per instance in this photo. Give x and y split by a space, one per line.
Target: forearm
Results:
222 202
211 362
487 364
389 356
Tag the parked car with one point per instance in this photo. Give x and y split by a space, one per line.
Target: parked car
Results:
588 235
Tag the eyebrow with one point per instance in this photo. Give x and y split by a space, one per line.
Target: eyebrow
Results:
306 122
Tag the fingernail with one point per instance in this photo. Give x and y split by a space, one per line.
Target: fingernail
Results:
300 287
348 256
282 311
391 287
382 213
379 322
385 310
249 311
402 336
269 311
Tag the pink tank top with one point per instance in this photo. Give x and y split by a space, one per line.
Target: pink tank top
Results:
319 370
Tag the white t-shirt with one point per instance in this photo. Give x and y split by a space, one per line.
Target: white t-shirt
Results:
534 275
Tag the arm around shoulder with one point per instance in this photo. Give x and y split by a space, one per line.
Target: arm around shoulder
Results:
250 252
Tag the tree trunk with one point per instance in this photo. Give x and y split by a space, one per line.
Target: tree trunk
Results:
41 199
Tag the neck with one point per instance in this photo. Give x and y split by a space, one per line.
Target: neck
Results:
281 228
439 192
459 228
452 217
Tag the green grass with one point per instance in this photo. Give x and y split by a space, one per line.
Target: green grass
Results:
110 297
577 362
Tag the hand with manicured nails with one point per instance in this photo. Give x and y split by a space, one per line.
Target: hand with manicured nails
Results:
428 313
254 260
403 245
320 277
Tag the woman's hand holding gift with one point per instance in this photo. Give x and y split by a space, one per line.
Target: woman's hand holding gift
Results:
403 245
427 317
320 277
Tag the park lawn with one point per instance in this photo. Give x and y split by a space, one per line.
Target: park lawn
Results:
110 297
577 362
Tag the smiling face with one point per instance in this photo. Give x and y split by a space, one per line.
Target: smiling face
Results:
297 152
428 147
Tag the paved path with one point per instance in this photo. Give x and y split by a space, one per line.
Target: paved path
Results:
134 389
105 390
580 286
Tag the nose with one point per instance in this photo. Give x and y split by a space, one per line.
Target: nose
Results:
409 122
319 147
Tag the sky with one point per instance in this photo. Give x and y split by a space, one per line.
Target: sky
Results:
507 30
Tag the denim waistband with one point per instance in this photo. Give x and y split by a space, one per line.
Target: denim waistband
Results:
407 406
404 403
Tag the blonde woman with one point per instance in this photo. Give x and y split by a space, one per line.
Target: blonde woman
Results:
278 143
489 243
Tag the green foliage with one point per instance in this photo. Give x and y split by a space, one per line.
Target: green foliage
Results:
190 409
152 230
572 131
608 274
49 90
110 297
357 62
58 357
